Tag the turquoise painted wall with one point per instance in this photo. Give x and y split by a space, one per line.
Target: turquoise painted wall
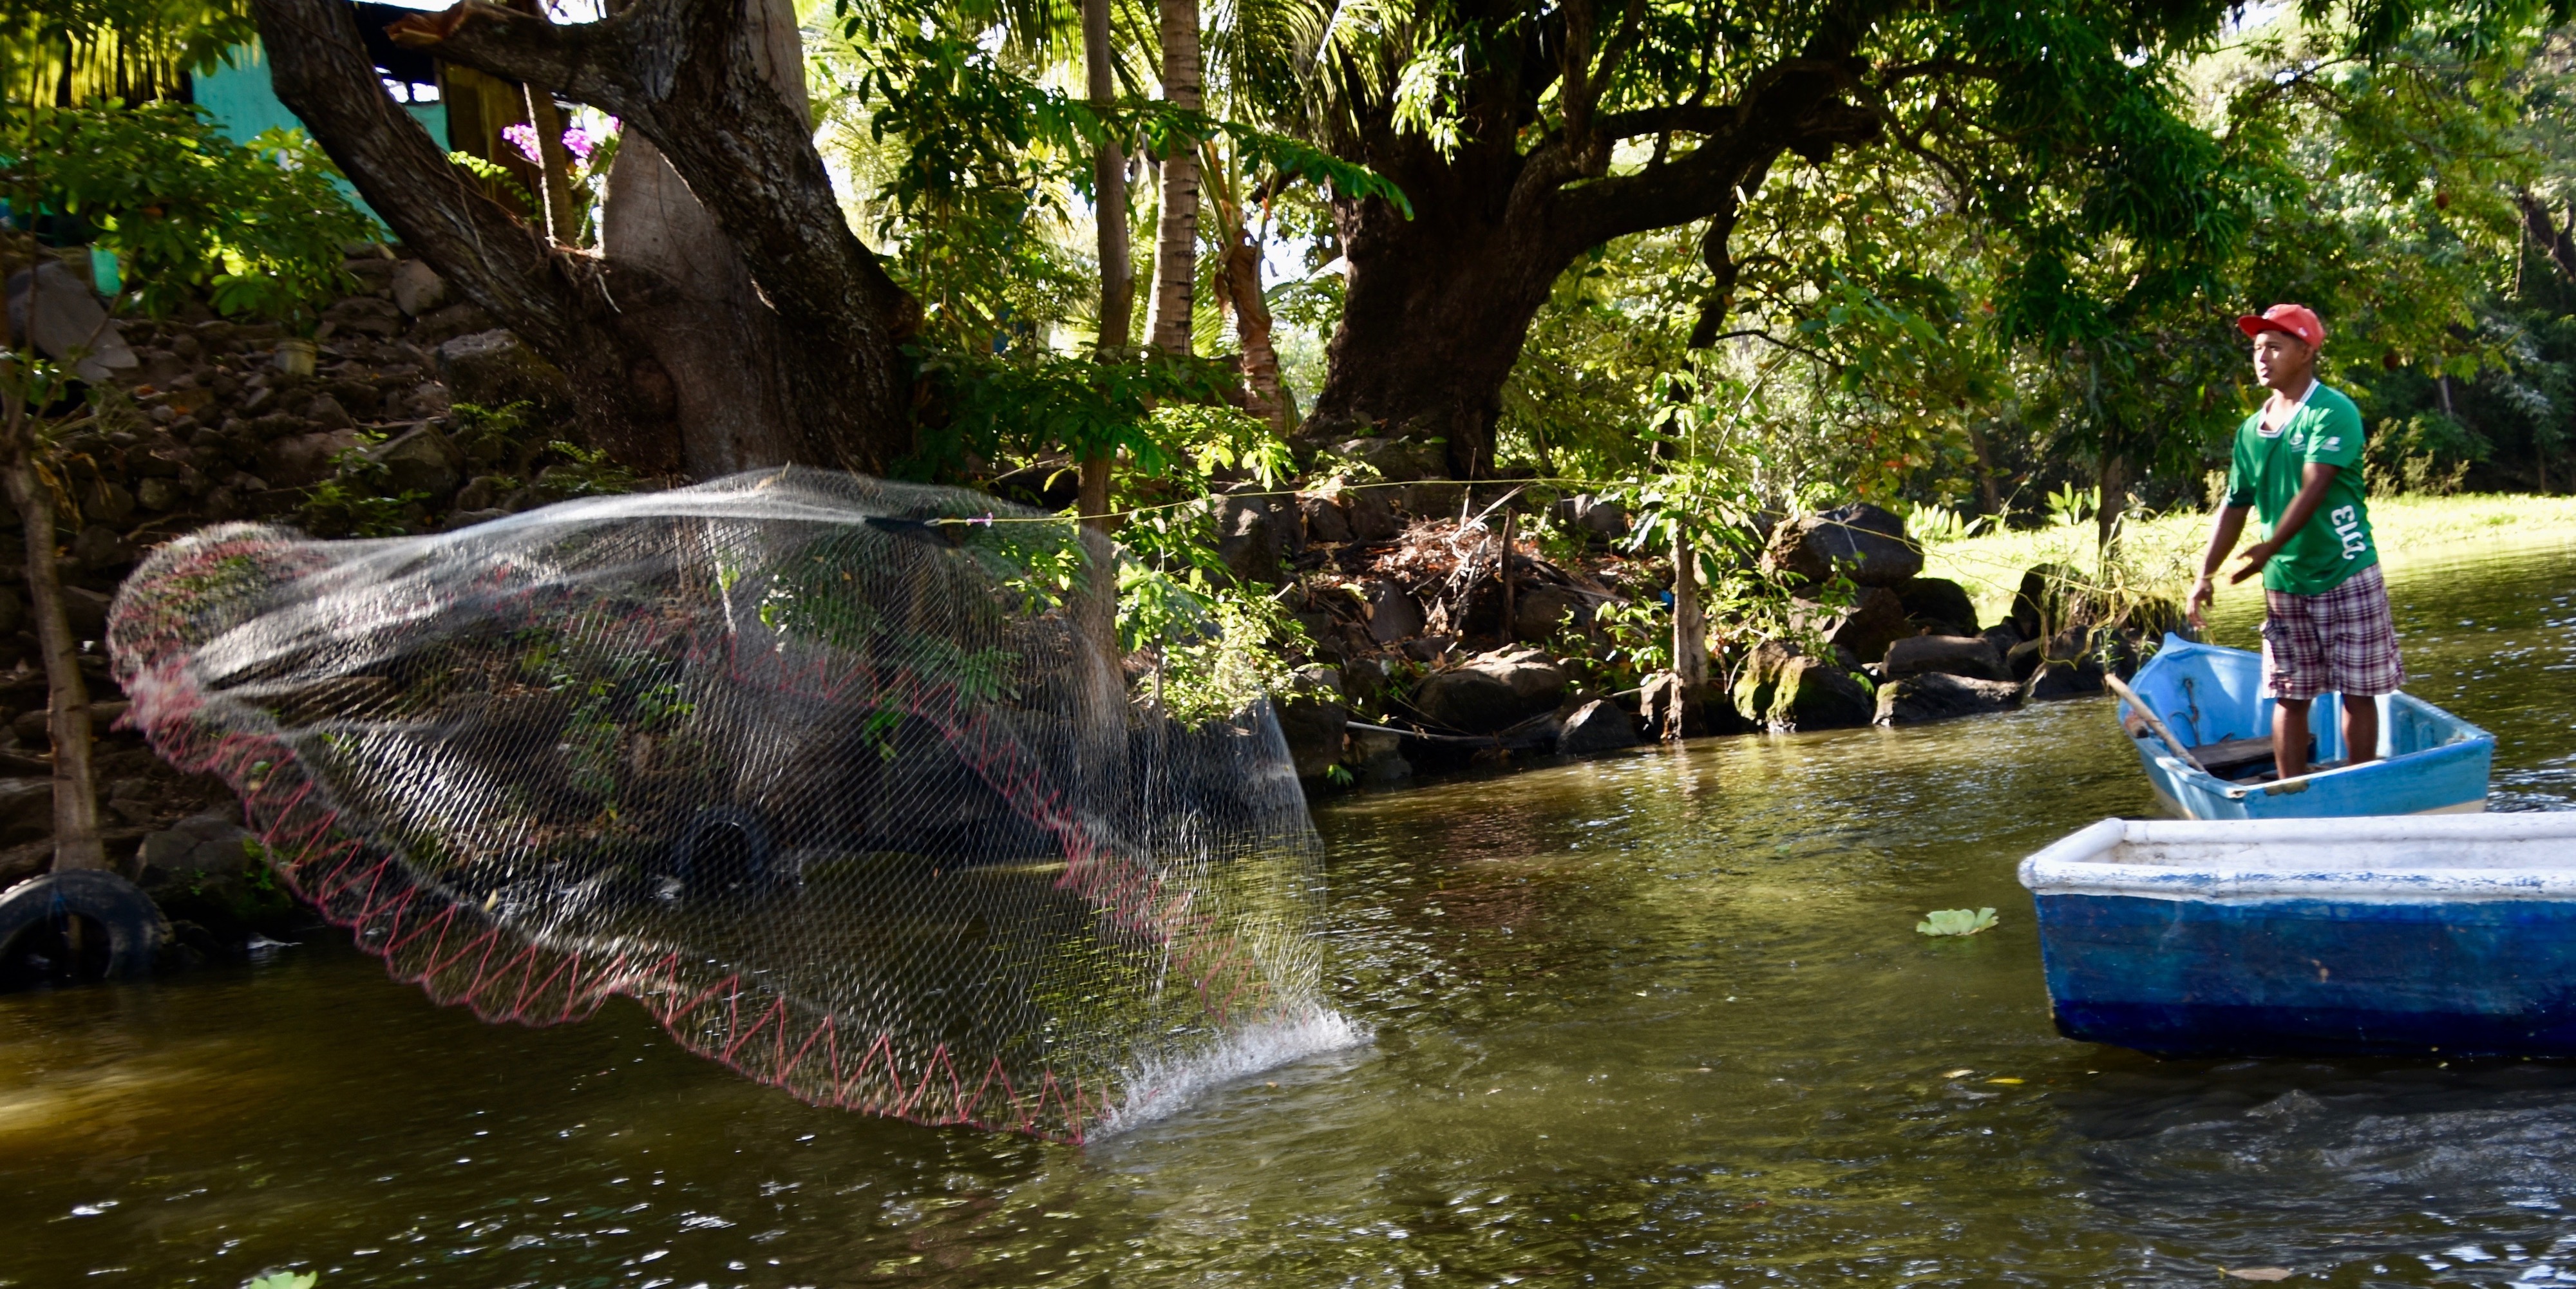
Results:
239 97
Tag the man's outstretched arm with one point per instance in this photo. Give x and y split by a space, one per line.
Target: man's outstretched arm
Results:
2223 533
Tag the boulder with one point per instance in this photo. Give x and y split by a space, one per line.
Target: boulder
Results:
492 368
1593 517
1326 519
87 610
1866 544
1372 515
1946 655
1252 533
422 460
328 413
1783 689
1539 612
1393 613
52 306
2039 606
26 808
300 459
1939 604
1492 692
1597 726
100 547
367 315
1312 724
2003 637
1376 757
1936 696
418 288
1362 677
1875 620
203 843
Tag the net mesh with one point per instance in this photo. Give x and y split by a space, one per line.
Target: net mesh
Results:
843 780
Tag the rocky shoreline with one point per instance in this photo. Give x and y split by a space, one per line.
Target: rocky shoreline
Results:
1433 648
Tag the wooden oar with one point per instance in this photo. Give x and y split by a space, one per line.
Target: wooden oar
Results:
2130 696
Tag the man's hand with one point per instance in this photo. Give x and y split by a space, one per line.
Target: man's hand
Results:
2256 556
2201 594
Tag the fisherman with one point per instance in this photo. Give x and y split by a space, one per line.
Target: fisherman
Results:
2297 462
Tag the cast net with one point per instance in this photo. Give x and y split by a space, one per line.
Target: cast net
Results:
848 782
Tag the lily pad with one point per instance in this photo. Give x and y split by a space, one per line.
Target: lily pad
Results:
1955 921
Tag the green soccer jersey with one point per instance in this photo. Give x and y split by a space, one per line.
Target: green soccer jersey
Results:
2266 472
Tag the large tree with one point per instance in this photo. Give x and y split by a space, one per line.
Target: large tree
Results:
748 325
1529 134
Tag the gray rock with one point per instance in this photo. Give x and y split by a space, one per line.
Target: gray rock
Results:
1949 655
26 806
211 842
1597 726
101 547
1372 515
422 460
87 610
1376 757
2003 637
157 494
1936 696
491 368
367 315
1875 620
1362 677
1781 688
1252 533
468 518
418 288
1492 691
1326 519
1593 516
1393 613
59 311
1866 544
1939 604
328 413
2042 606
301 459
108 501
1539 612
1313 728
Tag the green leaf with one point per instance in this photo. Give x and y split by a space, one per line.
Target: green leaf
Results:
284 1280
1955 921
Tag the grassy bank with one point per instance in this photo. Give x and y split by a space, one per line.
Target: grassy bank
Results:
2160 554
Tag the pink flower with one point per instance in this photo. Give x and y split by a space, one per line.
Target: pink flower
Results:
578 142
522 136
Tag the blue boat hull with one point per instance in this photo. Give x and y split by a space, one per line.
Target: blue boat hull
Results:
2183 977
2431 762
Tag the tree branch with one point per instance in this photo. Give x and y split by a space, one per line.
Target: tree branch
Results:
2559 243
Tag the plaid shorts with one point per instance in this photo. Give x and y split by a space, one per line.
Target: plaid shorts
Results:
2341 642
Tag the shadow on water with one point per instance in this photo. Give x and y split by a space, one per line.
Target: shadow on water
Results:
1655 1019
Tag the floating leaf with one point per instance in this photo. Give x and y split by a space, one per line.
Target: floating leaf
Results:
302 1280
2261 1273
1955 921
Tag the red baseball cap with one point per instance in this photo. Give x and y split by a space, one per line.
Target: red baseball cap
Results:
2296 319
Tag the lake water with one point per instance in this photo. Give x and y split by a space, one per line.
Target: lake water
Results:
1652 1020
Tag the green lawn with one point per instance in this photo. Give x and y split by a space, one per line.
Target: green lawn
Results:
2162 553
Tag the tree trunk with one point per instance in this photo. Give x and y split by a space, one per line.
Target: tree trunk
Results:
1437 309
76 841
1690 630
1986 476
2115 499
1176 244
1242 292
714 337
1503 567
1109 188
2558 243
701 82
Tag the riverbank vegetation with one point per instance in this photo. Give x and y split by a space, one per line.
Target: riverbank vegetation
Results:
1397 340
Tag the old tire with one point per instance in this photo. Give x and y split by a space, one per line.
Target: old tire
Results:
36 914
726 850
